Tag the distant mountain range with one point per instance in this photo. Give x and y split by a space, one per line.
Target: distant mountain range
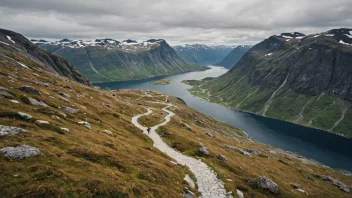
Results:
104 60
203 54
234 56
16 48
305 79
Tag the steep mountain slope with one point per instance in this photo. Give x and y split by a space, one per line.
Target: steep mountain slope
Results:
293 77
203 54
16 47
74 140
104 60
234 56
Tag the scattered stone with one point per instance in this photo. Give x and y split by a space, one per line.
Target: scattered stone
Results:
64 99
204 151
40 122
239 193
272 152
294 186
240 150
55 117
24 115
65 129
223 158
189 180
70 109
63 94
187 127
20 152
347 173
5 94
252 151
63 115
37 102
107 105
188 193
229 180
284 162
85 124
29 89
3 89
8 130
41 84
337 183
15 101
302 191
107 132
209 134
266 183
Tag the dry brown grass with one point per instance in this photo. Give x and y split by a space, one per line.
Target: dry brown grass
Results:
90 163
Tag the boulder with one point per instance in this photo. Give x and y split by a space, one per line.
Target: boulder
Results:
266 183
85 124
20 152
252 151
223 158
40 122
65 129
240 150
29 89
24 115
209 134
3 89
187 127
8 130
239 193
204 151
37 102
5 94
64 94
15 101
107 132
70 110
337 183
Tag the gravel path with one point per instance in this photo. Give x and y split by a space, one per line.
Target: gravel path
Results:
208 183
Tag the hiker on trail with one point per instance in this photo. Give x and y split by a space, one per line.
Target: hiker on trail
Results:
148 129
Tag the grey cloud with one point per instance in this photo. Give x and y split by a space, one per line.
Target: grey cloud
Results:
182 21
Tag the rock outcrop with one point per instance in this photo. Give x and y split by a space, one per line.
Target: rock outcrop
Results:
20 152
8 130
268 184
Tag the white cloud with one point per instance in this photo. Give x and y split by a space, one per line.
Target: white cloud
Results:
182 21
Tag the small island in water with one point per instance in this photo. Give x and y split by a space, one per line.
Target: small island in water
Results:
161 82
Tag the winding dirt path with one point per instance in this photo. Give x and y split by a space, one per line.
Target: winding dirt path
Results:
208 183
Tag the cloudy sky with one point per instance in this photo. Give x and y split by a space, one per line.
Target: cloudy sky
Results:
178 21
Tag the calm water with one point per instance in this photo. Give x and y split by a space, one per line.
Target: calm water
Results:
327 148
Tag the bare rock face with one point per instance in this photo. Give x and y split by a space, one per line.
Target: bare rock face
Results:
8 130
266 183
20 152
29 89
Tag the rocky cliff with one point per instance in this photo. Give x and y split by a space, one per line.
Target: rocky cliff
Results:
104 60
14 45
306 79
234 56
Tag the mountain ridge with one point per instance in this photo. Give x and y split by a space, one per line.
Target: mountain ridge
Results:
105 60
305 79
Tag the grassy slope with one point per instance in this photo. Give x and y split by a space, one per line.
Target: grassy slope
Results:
319 111
117 65
90 163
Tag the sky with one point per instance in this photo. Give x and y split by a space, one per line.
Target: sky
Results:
212 22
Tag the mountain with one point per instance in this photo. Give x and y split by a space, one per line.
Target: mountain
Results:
234 56
305 79
203 54
61 138
16 48
104 60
